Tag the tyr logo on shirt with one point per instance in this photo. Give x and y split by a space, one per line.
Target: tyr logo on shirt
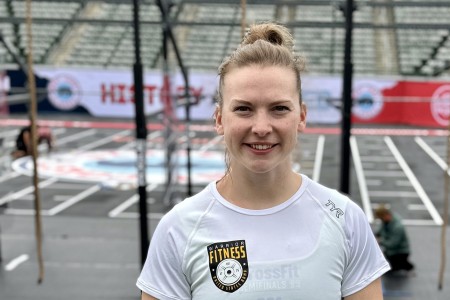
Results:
333 207
228 264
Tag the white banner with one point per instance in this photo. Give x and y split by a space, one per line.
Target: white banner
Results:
109 93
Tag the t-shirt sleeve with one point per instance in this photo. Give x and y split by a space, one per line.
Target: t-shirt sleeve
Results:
366 261
162 275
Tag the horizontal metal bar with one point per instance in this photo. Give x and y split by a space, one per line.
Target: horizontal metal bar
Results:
295 24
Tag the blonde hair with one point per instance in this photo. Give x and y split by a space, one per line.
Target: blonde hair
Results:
266 44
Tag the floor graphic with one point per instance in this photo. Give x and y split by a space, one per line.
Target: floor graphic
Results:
119 166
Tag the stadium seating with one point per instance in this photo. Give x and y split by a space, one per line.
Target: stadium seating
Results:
410 40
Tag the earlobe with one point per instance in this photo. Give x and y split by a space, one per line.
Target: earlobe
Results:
302 122
218 122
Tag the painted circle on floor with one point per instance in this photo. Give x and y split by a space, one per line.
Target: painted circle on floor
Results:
115 167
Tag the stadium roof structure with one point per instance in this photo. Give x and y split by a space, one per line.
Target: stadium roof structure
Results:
390 37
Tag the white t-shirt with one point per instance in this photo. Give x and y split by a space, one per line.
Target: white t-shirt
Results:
316 245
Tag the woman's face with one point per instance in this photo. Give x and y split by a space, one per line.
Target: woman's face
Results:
260 117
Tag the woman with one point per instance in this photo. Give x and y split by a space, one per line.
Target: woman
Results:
263 231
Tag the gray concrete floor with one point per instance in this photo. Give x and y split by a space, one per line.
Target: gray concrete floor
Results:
90 259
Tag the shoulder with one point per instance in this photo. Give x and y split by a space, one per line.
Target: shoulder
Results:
333 202
187 213
337 205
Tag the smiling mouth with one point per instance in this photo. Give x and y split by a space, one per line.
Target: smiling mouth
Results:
261 147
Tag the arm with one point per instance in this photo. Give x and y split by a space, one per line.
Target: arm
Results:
371 292
146 296
27 141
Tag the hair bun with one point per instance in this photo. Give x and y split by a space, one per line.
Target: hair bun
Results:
272 33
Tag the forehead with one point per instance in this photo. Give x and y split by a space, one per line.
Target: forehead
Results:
255 80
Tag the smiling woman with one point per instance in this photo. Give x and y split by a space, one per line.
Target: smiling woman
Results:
263 229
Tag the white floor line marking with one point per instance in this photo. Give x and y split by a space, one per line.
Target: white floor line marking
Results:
75 136
16 262
431 153
374 182
75 199
25 191
210 144
415 183
132 144
128 146
384 173
419 222
319 158
123 206
103 141
361 179
377 158
13 132
394 194
416 207
402 183
23 212
376 205
9 176
135 215
129 202
61 198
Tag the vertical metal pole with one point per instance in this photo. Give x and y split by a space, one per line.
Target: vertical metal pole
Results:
169 135
141 135
34 140
168 34
188 142
347 100
445 216
243 17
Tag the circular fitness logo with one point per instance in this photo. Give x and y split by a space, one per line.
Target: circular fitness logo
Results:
440 105
368 102
229 271
64 92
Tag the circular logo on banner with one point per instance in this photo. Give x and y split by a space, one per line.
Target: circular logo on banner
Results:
117 168
64 92
440 105
368 101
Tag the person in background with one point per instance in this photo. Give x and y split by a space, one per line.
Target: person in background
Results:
263 231
23 141
393 239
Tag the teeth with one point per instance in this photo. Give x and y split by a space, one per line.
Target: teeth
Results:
261 147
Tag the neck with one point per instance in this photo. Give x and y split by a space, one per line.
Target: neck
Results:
259 191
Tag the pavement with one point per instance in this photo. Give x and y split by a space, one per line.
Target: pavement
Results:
94 259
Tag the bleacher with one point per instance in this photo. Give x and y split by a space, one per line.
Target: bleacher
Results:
395 47
45 36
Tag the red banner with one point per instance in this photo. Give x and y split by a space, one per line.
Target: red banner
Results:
407 102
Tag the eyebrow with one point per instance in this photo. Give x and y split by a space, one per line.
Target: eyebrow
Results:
241 101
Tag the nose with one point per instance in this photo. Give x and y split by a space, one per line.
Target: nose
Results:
261 124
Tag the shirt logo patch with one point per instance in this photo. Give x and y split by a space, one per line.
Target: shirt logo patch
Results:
333 207
228 264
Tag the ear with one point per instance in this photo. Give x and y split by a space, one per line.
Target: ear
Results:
302 118
218 121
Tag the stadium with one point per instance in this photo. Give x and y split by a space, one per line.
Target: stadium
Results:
129 89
